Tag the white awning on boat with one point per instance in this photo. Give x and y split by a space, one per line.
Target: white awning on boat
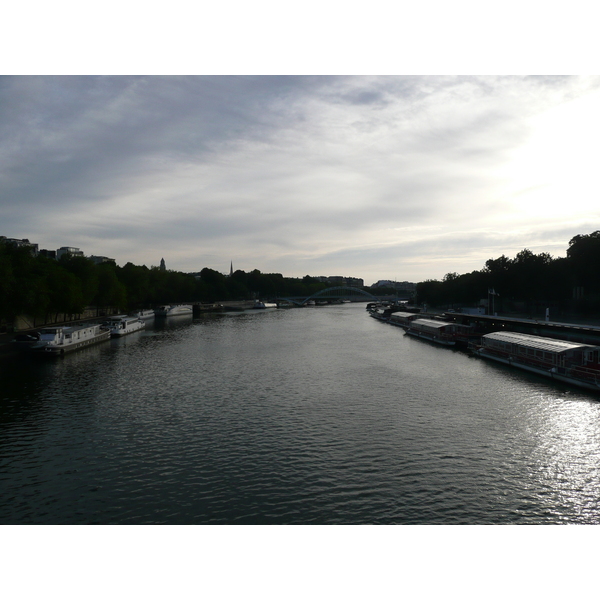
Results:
536 342
431 324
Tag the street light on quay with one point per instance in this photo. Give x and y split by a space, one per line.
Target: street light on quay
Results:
492 292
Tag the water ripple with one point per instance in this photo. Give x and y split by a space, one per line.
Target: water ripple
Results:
308 416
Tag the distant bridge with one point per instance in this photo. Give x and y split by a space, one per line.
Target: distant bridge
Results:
333 293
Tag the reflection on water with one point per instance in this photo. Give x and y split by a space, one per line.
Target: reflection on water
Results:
566 454
319 415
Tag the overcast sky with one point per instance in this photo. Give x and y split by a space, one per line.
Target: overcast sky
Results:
378 177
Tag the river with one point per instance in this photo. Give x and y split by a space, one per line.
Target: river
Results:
319 415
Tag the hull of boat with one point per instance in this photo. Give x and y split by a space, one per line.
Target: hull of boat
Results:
129 329
264 305
430 338
51 349
145 314
552 373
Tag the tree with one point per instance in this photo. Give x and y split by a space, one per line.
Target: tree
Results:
87 273
137 283
584 256
111 292
64 291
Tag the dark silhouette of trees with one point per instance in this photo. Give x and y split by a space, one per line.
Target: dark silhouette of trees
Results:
529 282
584 257
40 286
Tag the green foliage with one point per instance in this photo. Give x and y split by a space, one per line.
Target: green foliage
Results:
38 286
584 257
87 273
528 280
111 291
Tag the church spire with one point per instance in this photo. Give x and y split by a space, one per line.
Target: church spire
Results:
231 269
163 267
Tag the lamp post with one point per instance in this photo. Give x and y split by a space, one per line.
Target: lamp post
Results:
492 293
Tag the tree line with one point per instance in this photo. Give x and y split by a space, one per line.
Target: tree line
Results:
528 282
41 287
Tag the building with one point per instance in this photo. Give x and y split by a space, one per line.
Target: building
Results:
338 280
24 243
401 286
163 266
355 282
98 260
68 251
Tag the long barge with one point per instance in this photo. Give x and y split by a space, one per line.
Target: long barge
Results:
440 332
56 341
569 362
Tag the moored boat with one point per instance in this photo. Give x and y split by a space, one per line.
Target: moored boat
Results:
440 332
568 362
402 319
378 314
56 341
261 305
121 325
146 313
171 310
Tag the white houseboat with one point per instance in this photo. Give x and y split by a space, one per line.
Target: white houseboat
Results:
121 325
171 310
146 313
259 304
59 340
440 332
569 362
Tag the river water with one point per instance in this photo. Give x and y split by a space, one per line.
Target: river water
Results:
304 416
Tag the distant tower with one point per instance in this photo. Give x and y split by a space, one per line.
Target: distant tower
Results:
231 269
163 267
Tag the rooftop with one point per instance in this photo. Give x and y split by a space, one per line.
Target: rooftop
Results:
535 342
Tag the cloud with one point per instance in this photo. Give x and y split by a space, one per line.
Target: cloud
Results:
363 175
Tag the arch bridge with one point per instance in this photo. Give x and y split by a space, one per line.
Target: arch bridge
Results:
332 293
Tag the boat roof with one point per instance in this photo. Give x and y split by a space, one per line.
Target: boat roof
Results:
406 315
432 323
74 327
535 341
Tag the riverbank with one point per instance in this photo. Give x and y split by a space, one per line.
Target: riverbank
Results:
6 339
7 347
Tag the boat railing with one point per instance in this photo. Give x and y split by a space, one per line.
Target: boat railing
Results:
579 372
584 373
447 336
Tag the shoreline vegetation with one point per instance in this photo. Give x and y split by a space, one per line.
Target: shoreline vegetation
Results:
43 291
49 291
527 284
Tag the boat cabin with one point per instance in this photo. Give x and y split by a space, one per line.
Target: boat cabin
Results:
403 318
540 350
433 327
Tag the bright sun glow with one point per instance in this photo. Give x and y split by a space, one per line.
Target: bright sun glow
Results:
554 174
